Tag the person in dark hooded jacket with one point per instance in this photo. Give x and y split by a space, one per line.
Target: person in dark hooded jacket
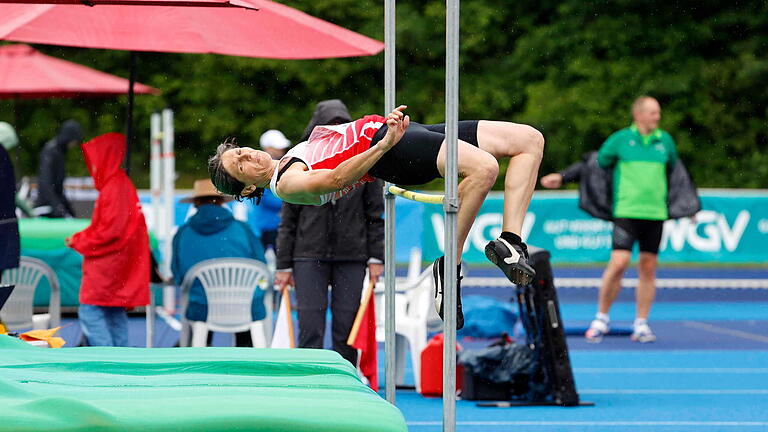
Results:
115 247
332 244
51 201
9 226
211 233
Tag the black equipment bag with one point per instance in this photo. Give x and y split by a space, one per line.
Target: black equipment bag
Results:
540 315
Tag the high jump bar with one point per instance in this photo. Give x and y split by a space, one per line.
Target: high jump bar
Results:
417 196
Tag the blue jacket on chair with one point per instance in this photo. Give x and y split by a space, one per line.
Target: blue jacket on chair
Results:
213 233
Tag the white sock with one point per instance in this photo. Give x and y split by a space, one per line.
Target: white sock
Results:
639 322
603 317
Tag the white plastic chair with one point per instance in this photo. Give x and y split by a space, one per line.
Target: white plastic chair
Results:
413 309
17 314
229 284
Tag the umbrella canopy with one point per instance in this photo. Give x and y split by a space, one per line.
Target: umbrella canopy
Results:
28 73
195 3
273 31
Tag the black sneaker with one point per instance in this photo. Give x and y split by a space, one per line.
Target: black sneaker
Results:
512 259
437 274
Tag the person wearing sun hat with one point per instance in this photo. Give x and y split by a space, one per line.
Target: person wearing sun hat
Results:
213 232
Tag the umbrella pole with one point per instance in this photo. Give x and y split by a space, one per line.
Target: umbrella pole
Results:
129 114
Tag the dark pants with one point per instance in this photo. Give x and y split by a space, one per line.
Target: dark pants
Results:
312 280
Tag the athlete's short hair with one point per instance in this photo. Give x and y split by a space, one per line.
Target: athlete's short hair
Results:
223 181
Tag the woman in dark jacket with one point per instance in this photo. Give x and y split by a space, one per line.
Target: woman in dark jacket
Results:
332 244
9 226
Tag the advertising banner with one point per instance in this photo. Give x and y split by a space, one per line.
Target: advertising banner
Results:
731 228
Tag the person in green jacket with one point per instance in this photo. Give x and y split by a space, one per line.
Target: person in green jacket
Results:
640 156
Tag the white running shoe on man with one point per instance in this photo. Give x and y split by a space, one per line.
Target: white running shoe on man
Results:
641 332
597 329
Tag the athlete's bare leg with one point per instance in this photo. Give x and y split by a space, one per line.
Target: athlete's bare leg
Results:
524 146
478 170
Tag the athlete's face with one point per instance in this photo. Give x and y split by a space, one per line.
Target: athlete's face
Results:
648 115
252 167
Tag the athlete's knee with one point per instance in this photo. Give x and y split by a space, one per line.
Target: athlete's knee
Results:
482 171
488 170
534 141
519 138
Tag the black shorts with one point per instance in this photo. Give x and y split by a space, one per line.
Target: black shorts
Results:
646 232
413 160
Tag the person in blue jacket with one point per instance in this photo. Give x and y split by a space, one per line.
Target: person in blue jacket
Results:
211 233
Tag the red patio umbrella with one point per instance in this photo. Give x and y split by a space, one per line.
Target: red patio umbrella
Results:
28 73
195 3
272 31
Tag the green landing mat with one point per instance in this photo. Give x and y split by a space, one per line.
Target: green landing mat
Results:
185 389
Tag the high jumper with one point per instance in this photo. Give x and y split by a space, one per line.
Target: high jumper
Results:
337 158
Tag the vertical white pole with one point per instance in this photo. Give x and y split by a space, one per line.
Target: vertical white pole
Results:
451 209
150 317
390 363
155 171
169 191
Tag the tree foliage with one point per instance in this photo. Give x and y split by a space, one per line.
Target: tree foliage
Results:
571 68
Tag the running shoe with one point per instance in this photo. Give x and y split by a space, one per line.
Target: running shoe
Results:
512 259
597 329
642 333
438 274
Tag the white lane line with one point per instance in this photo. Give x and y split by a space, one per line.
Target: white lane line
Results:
725 331
594 423
664 283
672 370
677 391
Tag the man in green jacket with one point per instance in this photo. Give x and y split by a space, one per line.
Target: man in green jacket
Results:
639 156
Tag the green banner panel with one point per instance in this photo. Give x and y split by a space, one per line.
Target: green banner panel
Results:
732 228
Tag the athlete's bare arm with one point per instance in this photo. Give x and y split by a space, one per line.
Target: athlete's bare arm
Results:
298 185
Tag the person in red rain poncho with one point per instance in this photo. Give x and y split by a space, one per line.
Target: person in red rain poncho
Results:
115 247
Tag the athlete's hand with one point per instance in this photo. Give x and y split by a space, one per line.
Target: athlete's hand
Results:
397 124
552 181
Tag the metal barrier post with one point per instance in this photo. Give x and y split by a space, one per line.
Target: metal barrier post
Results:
451 206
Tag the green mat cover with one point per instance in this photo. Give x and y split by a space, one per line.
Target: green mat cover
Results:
185 389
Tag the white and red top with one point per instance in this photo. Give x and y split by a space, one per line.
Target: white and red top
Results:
330 145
